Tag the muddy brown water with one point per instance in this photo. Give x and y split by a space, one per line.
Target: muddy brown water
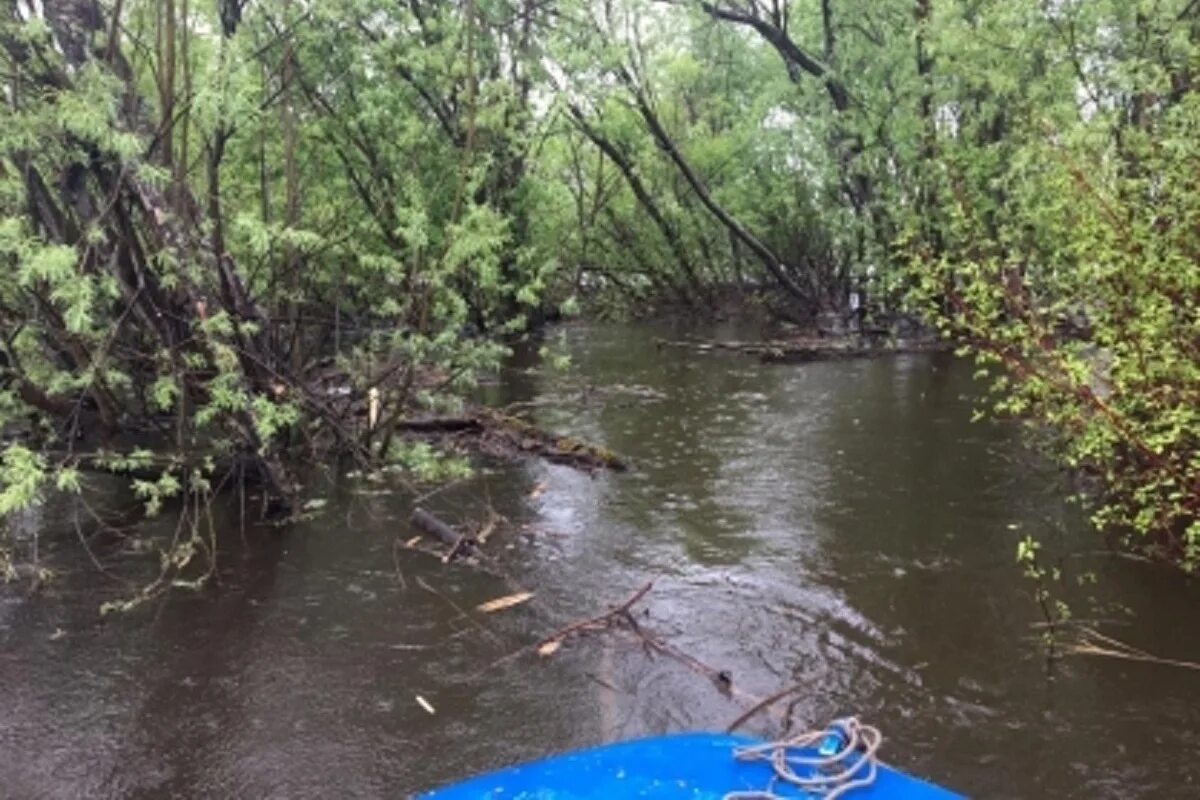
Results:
843 524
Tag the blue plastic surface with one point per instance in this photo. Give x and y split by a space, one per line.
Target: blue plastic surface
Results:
696 766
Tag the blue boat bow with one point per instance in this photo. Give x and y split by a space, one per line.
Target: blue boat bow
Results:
695 766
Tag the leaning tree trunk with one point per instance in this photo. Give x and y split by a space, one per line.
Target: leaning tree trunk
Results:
778 270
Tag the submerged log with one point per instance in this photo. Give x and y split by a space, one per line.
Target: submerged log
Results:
503 435
795 351
440 425
430 525
528 438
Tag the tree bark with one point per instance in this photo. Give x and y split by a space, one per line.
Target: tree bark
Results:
644 198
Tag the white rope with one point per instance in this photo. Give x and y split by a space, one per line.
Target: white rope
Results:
826 775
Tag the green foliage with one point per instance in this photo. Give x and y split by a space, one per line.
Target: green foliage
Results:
427 464
22 479
1066 254
155 493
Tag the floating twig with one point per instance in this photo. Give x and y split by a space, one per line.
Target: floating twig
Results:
1093 643
462 612
501 603
766 703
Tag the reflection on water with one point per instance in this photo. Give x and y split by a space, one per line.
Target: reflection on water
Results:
843 524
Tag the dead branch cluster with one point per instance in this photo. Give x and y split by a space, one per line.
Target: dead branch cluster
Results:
619 619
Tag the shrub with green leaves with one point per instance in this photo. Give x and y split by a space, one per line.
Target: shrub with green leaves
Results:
1067 255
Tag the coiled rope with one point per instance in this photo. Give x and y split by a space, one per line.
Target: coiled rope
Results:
844 760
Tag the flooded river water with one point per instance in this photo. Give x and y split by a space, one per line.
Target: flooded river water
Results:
843 524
